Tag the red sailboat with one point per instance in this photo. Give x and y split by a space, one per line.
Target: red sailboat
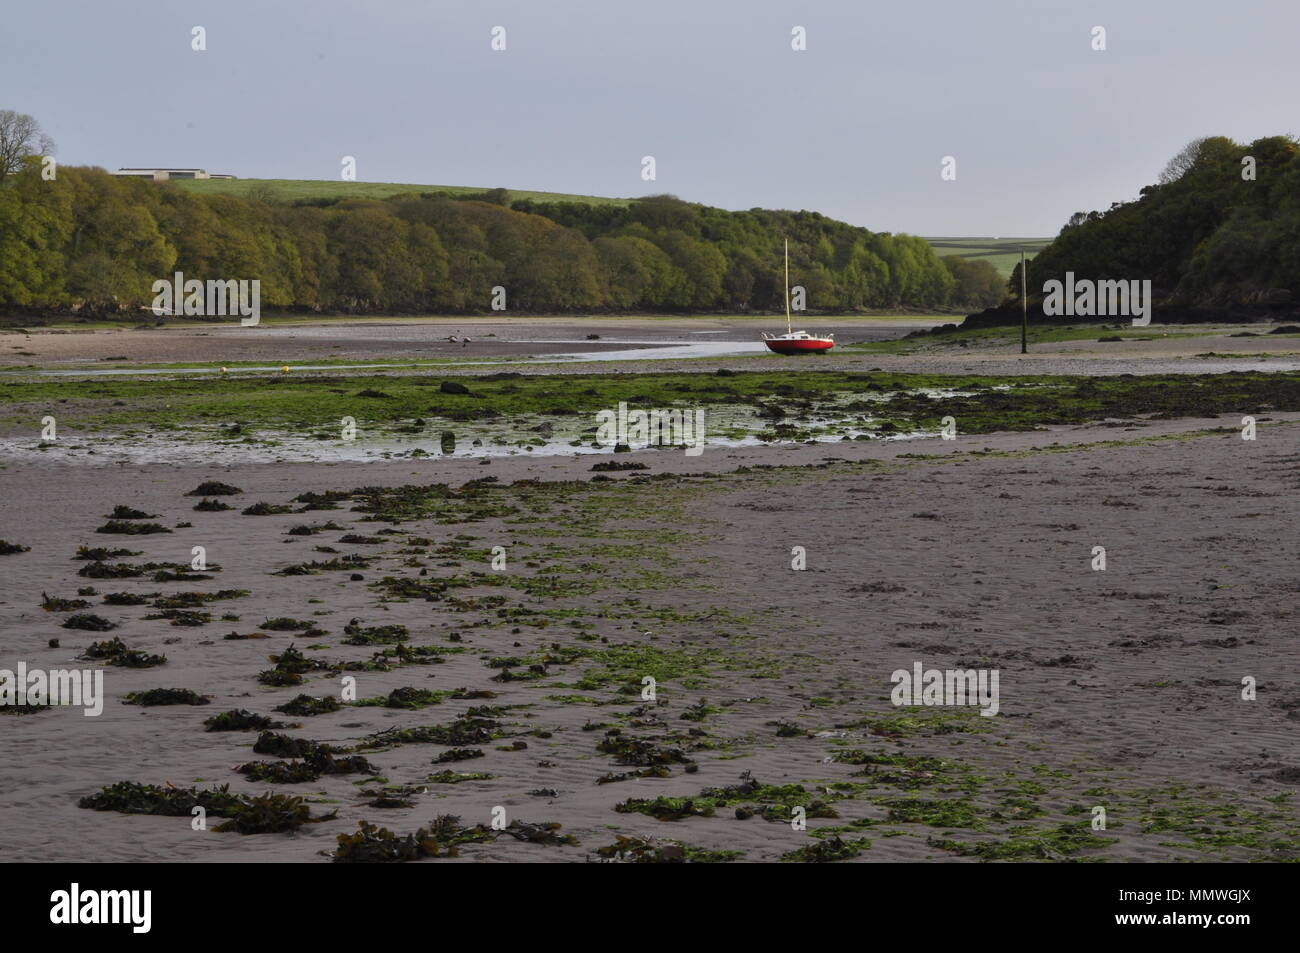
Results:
796 342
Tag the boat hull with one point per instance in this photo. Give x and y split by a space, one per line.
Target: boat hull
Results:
807 346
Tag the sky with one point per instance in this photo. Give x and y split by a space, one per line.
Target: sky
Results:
856 126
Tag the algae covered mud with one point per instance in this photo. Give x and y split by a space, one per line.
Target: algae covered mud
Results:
479 613
342 416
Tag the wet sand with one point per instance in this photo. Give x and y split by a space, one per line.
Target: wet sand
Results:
405 338
1199 349
1119 688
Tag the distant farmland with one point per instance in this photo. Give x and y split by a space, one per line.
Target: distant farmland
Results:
1002 253
295 189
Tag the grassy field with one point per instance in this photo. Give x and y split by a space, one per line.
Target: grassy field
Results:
1002 253
294 189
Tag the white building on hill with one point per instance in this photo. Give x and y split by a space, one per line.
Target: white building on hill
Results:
162 175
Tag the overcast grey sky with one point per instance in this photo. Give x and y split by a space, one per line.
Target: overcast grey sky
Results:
856 126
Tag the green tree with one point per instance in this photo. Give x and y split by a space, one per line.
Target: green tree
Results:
21 138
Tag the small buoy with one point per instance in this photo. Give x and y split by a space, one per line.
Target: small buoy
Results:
285 369
223 370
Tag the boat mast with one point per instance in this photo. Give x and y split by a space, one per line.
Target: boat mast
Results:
788 329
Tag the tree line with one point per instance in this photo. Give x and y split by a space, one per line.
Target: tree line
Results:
94 244
1220 230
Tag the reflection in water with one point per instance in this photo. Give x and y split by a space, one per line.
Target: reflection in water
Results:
637 351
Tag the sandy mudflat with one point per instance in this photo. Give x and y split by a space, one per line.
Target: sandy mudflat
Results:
1118 689
1191 349
417 339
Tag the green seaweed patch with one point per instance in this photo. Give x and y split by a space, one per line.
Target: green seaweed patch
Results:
262 508
626 665
54 604
290 666
128 598
312 567
641 752
699 711
545 832
772 802
911 721
130 797
115 652
164 696
430 590
1030 843
185 617
285 624
102 554
749 797
905 771
1208 823
456 777
378 845
311 529
163 572
958 812
88 621
317 760
375 635
612 777
214 488
788 729
286 746
126 528
652 850
665 808
608 466
442 838
438 502
406 698
121 512
240 719
255 814
270 814
426 655
278 772
306 705
472 728
827 851
329 500
458 754
176 572
192 600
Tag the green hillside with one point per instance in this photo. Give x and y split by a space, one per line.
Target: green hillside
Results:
1221 227
1002 253
95 244
293 190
